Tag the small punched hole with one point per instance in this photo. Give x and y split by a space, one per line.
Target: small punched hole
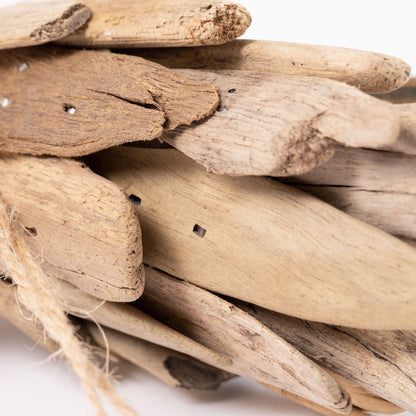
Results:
32 230
231 91
70 109
4 102
135 199
199 231
22 67
222 110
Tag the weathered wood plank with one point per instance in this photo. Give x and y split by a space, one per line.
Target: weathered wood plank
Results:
271 124
169 366
381 361
145 23
372 72
255 239
66 102
256 351
80 226
34 23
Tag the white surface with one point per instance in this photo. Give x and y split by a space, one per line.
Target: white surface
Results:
30 388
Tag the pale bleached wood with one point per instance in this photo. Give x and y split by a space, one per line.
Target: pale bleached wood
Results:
364 399
255 350
371 72
406 143
271 124
146 23
79 226
127 319
169 366
381 361
263 239
34 23
21 318
376 187
309 404
73 102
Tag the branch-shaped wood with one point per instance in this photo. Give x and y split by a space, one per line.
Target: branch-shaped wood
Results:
80 226
256 352
381 361
34 23
255 239
279 125
169 366
372 72
145 23
66 102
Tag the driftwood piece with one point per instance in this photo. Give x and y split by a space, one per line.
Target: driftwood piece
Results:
376 187
371 72
309 404
256 352
255 239
21 318
169 366
66 102
127 319
145 23
381 361
271 124
80 226
34 23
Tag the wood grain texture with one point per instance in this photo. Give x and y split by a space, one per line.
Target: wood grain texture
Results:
80 226
375 187
74 102
371 72
34 23
145 23
255 350
255 239
127 319
169 366
271 124
381 361
20 317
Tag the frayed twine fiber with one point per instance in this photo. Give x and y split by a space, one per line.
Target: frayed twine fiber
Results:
35 294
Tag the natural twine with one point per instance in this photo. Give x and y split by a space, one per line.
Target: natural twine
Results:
35 294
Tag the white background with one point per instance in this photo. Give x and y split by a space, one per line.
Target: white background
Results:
30 387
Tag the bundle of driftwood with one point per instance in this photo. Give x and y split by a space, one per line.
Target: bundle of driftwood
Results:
197 266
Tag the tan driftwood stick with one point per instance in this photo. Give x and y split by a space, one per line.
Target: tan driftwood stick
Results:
145 23
21 318
375 187
66 102
309 404
272 124
169 366
34 23
80 226
256 352
371 72
364 399
127 319
255 239
381 361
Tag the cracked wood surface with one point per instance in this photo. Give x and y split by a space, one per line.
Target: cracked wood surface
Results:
146 23
256 352
255 239
278 125
34 23
128 320
73 102
79 226
169 366
376 187
371 72
383 362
